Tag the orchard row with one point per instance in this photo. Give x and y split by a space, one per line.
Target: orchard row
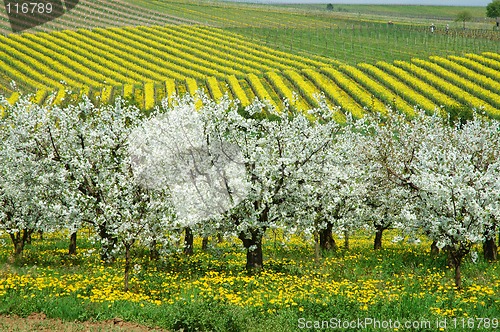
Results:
208 168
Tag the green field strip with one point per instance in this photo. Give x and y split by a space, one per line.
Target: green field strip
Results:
287 59
126 13
492 55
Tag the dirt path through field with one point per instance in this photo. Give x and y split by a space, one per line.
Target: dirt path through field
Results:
39 322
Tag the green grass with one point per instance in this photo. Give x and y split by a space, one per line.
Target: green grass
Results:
371 42
211 290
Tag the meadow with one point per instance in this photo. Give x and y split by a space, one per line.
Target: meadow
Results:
211 290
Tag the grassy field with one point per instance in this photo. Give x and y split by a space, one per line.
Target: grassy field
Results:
354 42
212 291
399 11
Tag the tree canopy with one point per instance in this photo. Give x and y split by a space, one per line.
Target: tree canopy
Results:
493 9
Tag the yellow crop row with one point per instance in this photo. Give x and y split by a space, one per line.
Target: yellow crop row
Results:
20 72
484 94
66 56
285 58
123 58
128 90
236 90
105 39
447 87
91 59
106 94
181 46
171 58
331 90
305 88
149 95
365 99
104 56
40 62
477 67
68 67
420 85
468 74
170 87
40 96
213 88
378 89
258 89
399 87
490 63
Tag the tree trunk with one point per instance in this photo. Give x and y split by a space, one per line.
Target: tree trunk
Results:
346 240
188 241
108 244
153 251
127 266
72 244
434 249
18 249
317 246
458 274
220 238
326 239
490 249
28 239
19 240
204 243
377 245
40 234
253 244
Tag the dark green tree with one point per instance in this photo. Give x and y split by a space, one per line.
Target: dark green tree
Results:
463 16
493 10
329 7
